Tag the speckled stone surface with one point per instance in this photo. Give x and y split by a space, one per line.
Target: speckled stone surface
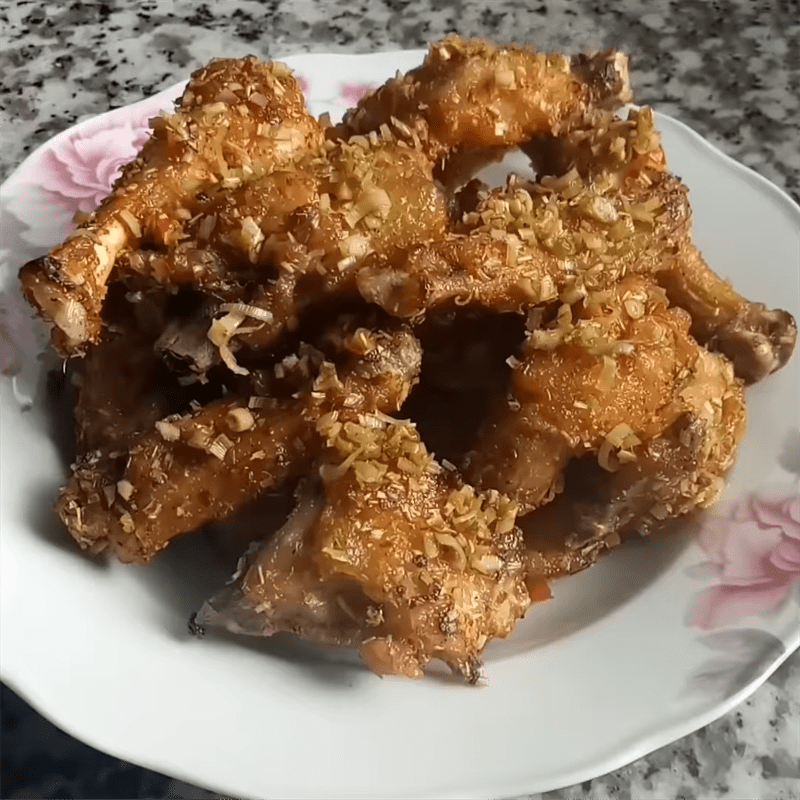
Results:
730 69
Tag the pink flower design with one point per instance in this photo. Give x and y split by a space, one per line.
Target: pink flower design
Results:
351 93
83 167
754 554
17 336
304 84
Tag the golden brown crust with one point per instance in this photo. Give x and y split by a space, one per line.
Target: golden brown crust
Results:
613 381
202 466
396 556
245 227
472 94
236 120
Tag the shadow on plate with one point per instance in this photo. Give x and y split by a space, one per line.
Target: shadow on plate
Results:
191 570
586 598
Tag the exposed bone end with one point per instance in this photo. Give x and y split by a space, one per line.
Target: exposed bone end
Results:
69 308
607 74
231 610
758 342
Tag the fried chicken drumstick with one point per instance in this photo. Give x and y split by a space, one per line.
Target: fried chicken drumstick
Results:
236 121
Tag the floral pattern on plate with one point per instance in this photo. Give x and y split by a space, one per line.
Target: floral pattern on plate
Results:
351 93
83 167
753 552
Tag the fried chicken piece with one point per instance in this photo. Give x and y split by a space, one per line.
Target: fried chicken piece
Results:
674 474
471 95
202 466
627 155
372 196
528 244
378 199
236 121
614 212
619 375
606 150
228 240
758 340
395 556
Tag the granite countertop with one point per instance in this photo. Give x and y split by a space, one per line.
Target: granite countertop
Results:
731 70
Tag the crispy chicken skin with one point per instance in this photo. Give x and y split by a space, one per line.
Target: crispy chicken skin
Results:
527 244
202 466
628 155
302 247
758 340
474 95
618 375
393 554
237 120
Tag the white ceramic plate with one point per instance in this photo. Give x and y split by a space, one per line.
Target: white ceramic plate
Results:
656 641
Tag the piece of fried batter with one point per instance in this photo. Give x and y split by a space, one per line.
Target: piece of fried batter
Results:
393 554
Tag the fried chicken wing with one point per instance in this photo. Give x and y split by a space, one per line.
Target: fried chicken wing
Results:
377 199
251 304
672 475
614 211
471 95
628 156
395 556
369 197
237 120
621 374
202 466
758 340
